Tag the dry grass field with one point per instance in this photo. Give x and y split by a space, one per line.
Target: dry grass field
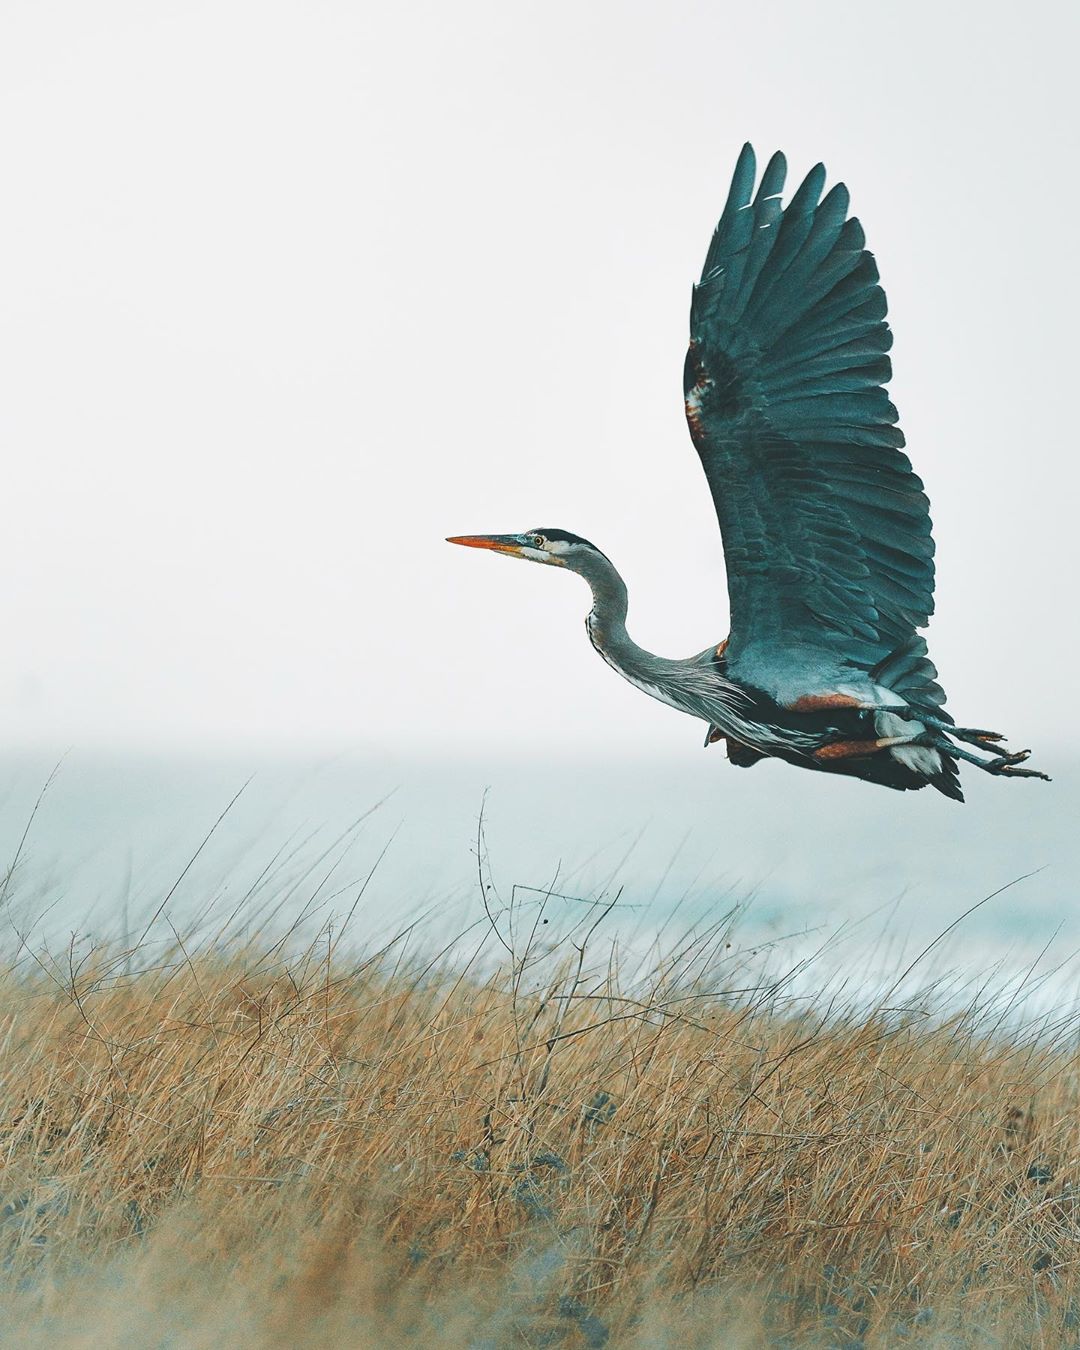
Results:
253 1143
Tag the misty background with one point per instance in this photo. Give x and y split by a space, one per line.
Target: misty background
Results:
292 291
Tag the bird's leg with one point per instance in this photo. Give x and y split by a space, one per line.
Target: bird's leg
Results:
973 735
1002 763
944 736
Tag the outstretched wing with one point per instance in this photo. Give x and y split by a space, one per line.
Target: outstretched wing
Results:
826 528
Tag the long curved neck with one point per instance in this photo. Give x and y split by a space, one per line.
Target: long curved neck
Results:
692 686
606 621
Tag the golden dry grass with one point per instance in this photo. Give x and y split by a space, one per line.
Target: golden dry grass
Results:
270 1147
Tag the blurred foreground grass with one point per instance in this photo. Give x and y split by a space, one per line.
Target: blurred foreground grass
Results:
254 1143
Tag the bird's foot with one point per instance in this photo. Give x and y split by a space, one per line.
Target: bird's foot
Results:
1003 763
974 735
1008 766
1007 757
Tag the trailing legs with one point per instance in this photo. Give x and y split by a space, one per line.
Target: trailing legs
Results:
942 735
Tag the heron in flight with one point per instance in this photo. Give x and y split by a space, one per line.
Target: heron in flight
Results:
826 528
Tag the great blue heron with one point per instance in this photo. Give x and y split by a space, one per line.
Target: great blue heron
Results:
826 528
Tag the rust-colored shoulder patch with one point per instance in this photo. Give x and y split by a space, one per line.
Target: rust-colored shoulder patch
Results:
852 749
692 404
695 383
820 702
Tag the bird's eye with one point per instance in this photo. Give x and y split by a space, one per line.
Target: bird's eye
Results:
539 541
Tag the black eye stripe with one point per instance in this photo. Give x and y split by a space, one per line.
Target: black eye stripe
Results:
553 536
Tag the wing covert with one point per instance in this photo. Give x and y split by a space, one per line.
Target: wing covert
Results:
826 527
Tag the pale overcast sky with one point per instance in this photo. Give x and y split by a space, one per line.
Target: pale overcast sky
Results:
292 291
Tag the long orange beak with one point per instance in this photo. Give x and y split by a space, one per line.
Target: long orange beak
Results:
501 543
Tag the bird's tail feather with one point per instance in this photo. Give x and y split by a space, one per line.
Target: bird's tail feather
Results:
909 673
912 676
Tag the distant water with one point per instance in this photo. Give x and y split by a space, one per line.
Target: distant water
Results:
113 834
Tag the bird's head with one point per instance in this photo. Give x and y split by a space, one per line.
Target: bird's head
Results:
555 547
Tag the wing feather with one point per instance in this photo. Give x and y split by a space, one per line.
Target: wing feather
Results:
826 528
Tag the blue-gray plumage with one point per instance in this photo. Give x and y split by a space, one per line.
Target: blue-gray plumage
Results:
826 528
